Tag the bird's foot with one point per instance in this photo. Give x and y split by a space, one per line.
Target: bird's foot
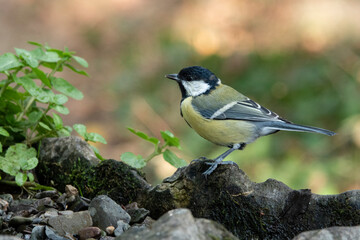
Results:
213 166
223 162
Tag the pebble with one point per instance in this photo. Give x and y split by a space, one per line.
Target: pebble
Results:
110 230
38 232
138 215
7 197
51 194
89 232
106 212
3 205
121 227
71 191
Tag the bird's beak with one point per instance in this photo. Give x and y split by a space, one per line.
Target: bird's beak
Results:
173 77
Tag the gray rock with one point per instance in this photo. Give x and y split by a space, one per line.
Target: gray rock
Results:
106 212
61 157
267 210
332 233
71 160
9 237
49 193
70 224
7 197
53 235
19 220
179 224
137 215
22 205
121 227
38 233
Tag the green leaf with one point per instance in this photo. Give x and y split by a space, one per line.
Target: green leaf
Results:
82 72
11 94
81 61
43 125
133 160
16 157
57 121
42 76
97 153
153 140
30 164
1 150
80 129
9 166
20 178
30 176
9 61
28 57
64 132
49 57
170 139
28 84
35 43
60 99
3 132
34 116
44 95
61 109
174 160
95 137
66 88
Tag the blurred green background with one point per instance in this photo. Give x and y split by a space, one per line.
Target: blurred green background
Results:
301 59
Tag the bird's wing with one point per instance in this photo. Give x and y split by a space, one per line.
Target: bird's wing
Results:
238 110
240 107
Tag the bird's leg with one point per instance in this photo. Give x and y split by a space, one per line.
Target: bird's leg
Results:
219 159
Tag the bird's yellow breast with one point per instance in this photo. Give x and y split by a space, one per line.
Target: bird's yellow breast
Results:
221 132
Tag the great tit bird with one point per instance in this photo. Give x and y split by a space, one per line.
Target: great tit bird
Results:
224 116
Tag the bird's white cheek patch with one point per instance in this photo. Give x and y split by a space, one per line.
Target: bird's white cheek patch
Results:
195 88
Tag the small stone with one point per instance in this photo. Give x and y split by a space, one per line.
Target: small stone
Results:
38 233
8 237
110 230
89 232
79 205
50 213
71 191
53 235
44 203
3 205
121 227
106 212
137 215
148 221
71 224
23 205
51 194
19 220
7 197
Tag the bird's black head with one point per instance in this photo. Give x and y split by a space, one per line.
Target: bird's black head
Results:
195 80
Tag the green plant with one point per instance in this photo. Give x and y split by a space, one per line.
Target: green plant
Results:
137 161
28 93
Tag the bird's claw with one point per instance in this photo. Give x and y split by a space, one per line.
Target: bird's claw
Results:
213 166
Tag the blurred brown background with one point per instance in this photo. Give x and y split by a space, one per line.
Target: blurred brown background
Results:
299 58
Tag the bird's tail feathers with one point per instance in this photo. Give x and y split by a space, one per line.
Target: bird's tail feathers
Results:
299 128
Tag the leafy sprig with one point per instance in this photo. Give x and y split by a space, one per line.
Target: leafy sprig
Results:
29 90
137 161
